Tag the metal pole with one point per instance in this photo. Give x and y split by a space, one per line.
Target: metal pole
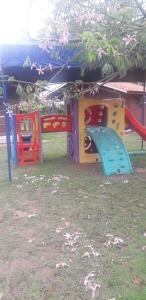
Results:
7 126
143 110
142 118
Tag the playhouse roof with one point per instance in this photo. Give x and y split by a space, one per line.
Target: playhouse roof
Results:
14 55
125 87
12 58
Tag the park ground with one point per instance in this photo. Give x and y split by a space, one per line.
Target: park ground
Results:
67 232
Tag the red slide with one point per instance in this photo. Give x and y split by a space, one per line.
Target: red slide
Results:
134 124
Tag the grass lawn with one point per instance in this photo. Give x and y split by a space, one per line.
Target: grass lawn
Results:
67 232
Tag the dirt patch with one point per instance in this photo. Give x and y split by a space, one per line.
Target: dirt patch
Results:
7 268
140 170
45 273
27 234
26 214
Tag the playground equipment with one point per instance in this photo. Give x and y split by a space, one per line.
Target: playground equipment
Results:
56 122
134 124
98 128
113 154
26 134
94 129
26 138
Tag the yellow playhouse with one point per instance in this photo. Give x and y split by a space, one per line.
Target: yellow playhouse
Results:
98 128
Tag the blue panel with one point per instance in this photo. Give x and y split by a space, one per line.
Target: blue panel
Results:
113 154
15 55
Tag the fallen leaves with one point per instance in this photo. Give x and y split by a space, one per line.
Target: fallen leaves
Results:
107 182
90 284
29 241
61 265
125 181
19 186
113 240
71 239
37 181
23 214
33 215
86 254
92 252
59 229
54 191
137 280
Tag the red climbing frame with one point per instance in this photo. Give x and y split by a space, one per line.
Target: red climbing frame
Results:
27 133
56 122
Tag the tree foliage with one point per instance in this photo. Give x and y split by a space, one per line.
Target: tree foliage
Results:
110 34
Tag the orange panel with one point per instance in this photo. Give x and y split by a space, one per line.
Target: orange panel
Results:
56 122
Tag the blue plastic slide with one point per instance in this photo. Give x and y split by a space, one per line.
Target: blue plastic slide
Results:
112 152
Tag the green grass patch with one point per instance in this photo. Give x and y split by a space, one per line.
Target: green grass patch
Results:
47 203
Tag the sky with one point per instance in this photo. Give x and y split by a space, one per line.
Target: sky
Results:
16 15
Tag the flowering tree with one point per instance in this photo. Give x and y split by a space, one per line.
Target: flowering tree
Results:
110 34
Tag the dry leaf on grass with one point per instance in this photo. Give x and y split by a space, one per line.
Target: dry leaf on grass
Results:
54 191
90 284
67 223
71 239
29 241
33 215
59 229
61 265
137 280
113 240
19 186
73 250
86 254
125 181
92 252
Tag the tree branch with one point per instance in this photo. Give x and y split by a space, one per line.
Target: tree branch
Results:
140 8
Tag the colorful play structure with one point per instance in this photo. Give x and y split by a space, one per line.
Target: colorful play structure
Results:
94 127
26 138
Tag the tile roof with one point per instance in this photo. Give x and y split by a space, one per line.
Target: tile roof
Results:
125 87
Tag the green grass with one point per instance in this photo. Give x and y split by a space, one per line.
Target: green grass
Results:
81 200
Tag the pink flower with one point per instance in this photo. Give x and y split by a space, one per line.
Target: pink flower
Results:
46 42
100 53
64 37
40 70
129 39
